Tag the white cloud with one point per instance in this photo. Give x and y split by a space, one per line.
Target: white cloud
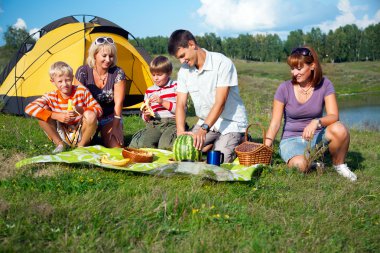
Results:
280 17
239 15
347 17
33 30
20 24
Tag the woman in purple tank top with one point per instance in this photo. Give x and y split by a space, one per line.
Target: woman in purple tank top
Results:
301 102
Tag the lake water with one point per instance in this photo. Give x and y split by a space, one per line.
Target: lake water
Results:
360 111
361 117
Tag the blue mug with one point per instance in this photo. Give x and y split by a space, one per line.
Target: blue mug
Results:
215 157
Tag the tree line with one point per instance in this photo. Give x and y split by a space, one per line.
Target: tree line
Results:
14 38
345 44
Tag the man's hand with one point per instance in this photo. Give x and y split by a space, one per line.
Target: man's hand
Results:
199 139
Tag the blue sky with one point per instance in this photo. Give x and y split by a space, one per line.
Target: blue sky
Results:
226 18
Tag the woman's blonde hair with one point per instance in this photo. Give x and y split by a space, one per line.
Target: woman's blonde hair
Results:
301 56
95 48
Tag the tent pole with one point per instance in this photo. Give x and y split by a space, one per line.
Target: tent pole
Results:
84 39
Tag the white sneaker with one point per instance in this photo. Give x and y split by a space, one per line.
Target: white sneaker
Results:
344 171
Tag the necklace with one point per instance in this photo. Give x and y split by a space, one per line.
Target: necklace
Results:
100 77
306 91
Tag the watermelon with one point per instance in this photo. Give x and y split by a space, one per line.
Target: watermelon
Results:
183 149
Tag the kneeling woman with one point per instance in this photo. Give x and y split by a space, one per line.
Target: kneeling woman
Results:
107 84
301 101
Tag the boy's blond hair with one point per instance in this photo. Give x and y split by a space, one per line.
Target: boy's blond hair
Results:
60 68
161 64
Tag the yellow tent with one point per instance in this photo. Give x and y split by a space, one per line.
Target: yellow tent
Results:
26 77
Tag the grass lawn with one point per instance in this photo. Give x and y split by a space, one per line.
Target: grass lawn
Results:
77 208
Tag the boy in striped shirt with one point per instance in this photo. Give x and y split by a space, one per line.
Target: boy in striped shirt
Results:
63 125
160 129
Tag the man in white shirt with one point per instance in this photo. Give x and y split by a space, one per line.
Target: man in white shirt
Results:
211 80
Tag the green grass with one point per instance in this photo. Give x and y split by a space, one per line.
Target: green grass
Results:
351 77
77 208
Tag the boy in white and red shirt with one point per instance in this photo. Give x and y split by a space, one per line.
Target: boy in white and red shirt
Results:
160 130
76 126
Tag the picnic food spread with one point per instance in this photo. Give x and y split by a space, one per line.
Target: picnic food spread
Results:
137 155
123 162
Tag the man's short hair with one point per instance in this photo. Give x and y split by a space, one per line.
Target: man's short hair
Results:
179 38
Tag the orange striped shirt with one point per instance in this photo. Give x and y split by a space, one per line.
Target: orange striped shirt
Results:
43 107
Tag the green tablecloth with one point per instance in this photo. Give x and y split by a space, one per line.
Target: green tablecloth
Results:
161 165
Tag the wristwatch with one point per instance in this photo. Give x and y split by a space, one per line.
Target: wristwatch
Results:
205 127
319 124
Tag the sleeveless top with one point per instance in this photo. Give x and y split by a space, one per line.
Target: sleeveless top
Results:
104 96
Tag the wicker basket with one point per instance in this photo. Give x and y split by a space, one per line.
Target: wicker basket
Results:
250 153
138 155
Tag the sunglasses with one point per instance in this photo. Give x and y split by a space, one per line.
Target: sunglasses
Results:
302 50
102 40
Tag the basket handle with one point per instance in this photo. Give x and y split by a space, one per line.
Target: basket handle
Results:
257 124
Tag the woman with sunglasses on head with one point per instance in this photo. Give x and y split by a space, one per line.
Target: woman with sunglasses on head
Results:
107 83
301 101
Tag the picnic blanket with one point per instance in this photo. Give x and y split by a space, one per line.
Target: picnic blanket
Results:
161 165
